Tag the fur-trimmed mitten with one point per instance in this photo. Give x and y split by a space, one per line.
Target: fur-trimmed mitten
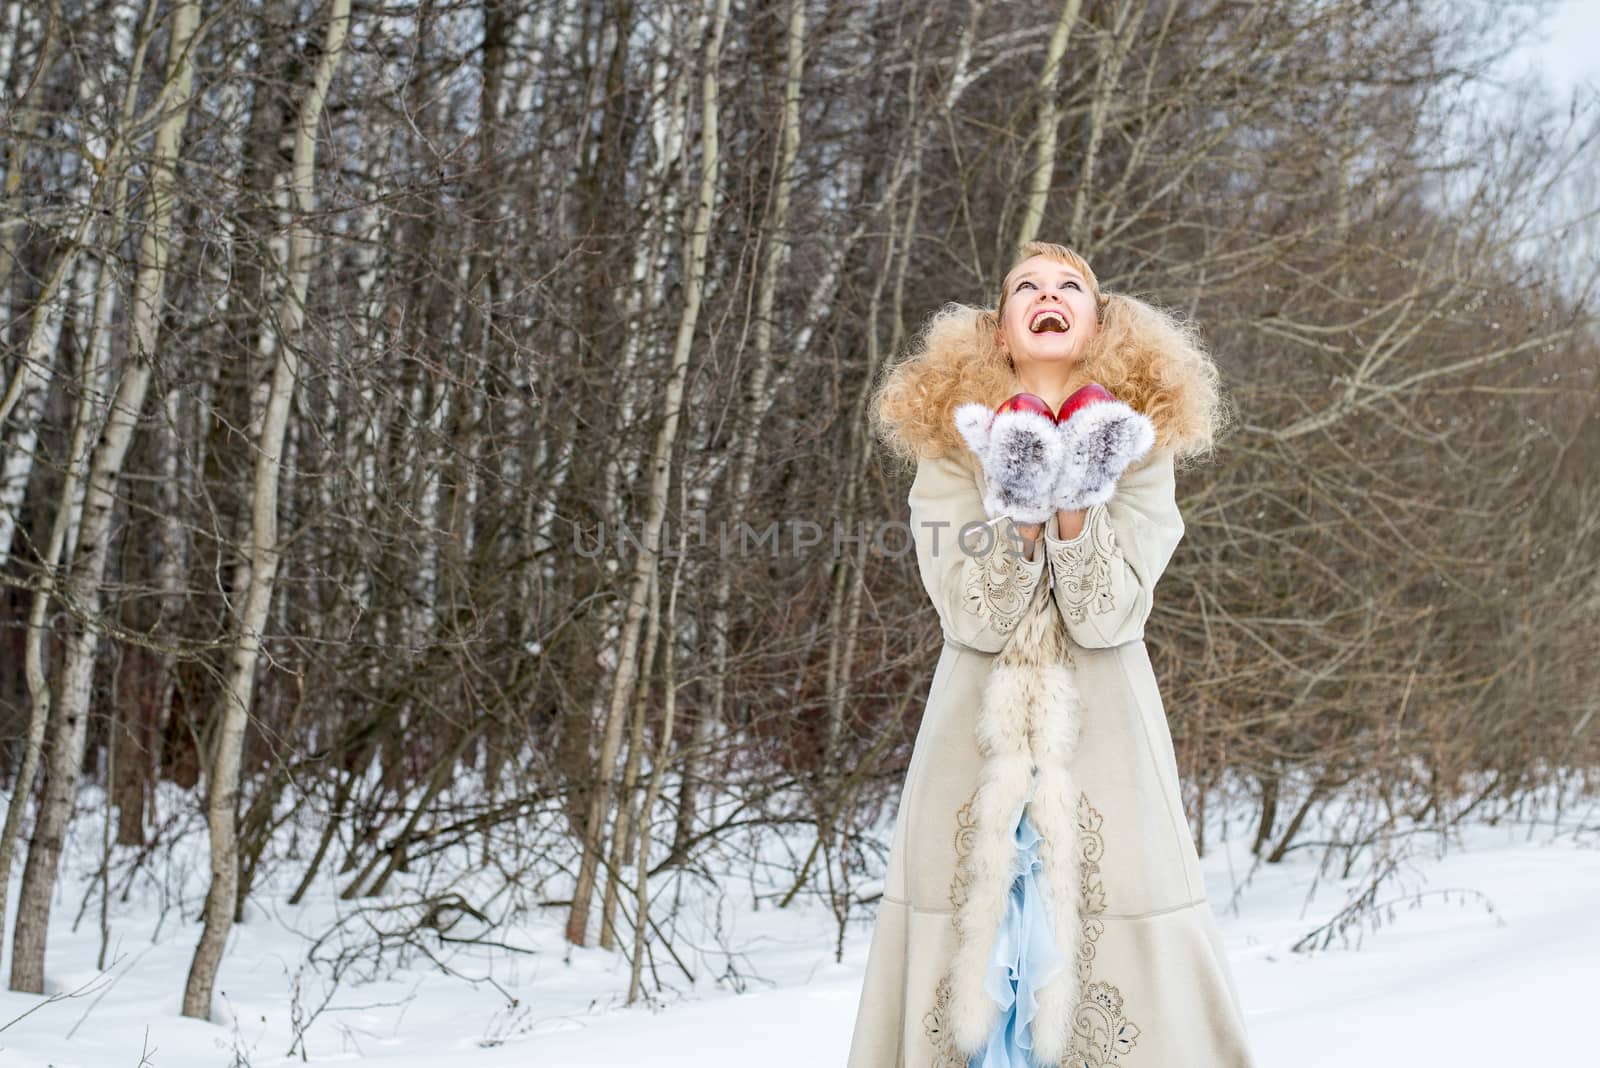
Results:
1101 437
1021 453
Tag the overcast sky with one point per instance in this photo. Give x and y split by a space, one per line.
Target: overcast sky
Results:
1569 54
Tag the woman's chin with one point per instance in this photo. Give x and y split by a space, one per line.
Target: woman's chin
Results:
1052 355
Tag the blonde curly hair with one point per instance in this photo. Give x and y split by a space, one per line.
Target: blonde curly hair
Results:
1146 356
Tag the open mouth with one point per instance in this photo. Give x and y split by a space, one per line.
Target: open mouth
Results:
1048 320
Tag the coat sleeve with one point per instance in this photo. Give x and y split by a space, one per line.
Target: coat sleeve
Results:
1103 581
980 581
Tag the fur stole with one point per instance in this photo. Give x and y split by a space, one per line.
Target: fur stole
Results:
1026 730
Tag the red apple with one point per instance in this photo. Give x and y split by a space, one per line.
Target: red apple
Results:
1093 393
1025 402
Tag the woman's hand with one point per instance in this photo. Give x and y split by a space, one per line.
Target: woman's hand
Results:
1021 453
1070 524
1031 533
1100 440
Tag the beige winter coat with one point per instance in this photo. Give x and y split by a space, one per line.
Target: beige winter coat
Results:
1152 986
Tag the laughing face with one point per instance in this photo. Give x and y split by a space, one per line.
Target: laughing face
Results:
1047 312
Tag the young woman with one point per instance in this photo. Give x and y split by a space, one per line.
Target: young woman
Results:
1043 904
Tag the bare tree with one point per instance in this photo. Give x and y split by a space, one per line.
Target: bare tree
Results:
261 568
82 590
661 473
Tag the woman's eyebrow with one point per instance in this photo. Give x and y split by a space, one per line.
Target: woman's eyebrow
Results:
1026 275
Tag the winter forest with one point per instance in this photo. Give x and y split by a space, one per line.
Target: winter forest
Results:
440 603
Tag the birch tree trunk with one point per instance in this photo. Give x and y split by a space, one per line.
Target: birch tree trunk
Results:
33 650
650 272
661 474
658 770
26 394
846 580
234 711
848 577
83 586
621 834
1115 45
1045 133
762 398
95 329
31 386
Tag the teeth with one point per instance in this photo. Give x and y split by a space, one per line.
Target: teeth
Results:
1044 319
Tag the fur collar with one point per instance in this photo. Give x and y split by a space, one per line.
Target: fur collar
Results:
1027 729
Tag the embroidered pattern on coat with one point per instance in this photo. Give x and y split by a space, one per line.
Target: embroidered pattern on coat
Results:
945 1054
1080 569
1101 1034
999 584
966 828
934 1023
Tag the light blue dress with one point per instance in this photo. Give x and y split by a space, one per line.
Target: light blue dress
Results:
1024 956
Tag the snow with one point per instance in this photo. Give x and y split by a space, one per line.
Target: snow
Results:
1486 952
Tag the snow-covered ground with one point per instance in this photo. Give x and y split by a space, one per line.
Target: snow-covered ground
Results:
1486 953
